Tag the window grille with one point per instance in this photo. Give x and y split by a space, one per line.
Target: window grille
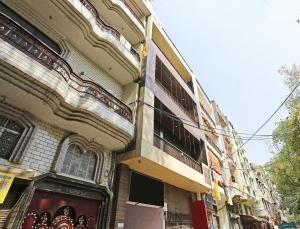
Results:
10 132
79 163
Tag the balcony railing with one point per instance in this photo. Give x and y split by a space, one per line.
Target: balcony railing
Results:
207 114
131 11
213 145
29 45
90 7
175 100
172 150
109 29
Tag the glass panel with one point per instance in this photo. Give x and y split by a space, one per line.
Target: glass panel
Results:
82 174
69 155
78 164
8 142
92 166
65 168
84 162
12 125
67 160
2 120
75 162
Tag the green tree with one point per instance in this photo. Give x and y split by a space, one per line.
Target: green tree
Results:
284 167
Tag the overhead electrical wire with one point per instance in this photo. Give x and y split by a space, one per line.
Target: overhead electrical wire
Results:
270 117
184 121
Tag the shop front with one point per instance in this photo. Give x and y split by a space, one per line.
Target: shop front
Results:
54 201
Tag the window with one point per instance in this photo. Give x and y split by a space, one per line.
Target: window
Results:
10 133
79 163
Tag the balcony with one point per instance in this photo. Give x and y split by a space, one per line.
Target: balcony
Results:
123 15
207 115
165 150
172 87
172 150
79 23
235 188
56 93
214 146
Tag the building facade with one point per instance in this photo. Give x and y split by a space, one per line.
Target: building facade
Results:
69 71
104 125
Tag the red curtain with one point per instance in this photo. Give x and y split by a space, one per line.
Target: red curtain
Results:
199 215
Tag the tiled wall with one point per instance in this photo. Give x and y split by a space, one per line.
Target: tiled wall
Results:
42 150
80 63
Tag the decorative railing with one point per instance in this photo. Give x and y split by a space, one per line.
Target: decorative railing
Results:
172 150
207 114
213 145
109 29
90 7
131 11
134 52
31 46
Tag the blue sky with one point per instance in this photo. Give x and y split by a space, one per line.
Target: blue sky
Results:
235 48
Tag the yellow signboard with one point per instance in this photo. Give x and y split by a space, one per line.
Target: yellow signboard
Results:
6 180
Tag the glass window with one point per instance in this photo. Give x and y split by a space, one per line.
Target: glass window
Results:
10 132
77 163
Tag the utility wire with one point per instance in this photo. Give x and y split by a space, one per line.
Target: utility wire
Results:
174 117
271 116
189 121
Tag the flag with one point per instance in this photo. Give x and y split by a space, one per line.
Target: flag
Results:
216 189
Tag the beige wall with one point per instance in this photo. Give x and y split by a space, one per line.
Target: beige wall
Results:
81 63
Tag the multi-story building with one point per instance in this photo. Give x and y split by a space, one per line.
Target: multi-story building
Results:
255 201
268 200
186 166
167 168
241 183
178 152
104 125
68 73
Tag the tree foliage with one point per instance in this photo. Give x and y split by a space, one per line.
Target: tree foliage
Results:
285 165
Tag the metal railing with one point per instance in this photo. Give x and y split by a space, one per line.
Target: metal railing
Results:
90 7
207 114
175 99
172 150
109 29
213 145
131 11
31 46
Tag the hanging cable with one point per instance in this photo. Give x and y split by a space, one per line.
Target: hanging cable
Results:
270 117
258 137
